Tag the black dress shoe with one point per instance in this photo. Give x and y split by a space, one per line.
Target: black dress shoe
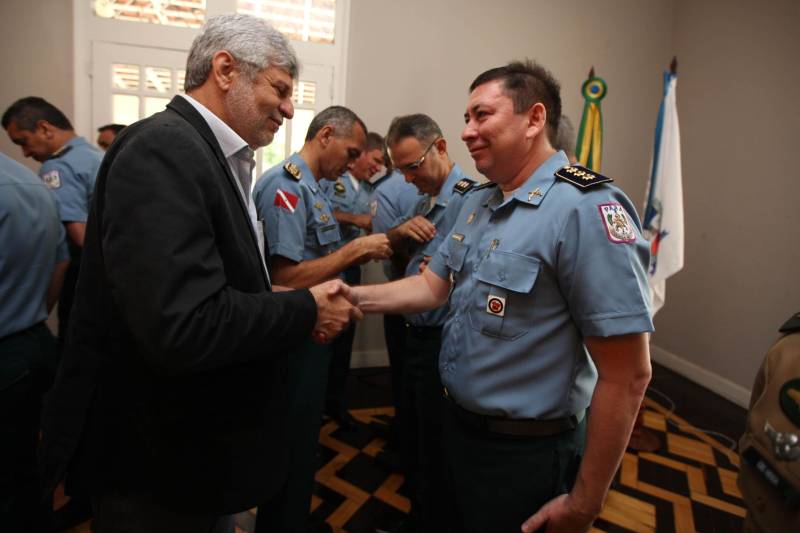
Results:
344 419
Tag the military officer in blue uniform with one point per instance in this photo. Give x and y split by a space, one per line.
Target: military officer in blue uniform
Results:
545 270
33 259
397 209
69 168
305 248
350 196
419 150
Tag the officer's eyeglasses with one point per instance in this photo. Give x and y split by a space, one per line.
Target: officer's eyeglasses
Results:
418 163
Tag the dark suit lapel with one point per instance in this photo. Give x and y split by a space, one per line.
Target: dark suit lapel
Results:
181 106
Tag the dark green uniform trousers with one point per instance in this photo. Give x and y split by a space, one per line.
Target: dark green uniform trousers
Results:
28 361
308 374
498 481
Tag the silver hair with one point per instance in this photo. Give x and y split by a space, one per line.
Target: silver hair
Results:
250 40
420 126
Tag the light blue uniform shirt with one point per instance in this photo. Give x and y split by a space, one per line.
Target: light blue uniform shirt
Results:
32 241
532 277
443 215
396 201
344 196
298 216
70 173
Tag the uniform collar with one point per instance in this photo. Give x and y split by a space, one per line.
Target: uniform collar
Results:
306 176
229 141
446 192
535 188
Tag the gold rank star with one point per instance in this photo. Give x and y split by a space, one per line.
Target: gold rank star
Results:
323 217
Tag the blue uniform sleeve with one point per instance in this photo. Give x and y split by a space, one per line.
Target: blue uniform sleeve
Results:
62 251
280 204
386 212
69 190
601 266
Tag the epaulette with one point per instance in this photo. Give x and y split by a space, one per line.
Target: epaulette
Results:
581 177
791 325
464 185
293 170
485 185
60 152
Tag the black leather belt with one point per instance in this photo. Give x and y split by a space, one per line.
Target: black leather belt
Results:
515 427
424 332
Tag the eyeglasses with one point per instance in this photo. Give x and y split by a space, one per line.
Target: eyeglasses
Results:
418 163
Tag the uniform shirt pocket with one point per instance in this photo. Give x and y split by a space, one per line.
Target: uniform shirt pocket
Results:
456 253
502 305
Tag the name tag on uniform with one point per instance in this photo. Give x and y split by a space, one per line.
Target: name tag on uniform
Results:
496 305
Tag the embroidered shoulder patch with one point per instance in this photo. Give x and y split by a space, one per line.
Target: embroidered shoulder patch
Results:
581 177
293 170
464 186
285 200
617 223
52 179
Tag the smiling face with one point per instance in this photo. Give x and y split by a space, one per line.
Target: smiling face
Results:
367 164
497 138
427 176
257 108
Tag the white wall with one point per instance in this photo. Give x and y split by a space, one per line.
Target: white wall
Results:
421 56
739 112
36 55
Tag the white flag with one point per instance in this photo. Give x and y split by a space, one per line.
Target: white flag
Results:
663 214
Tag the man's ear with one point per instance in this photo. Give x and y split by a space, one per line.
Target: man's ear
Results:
537 120
47 129
441 145
325 135
223 69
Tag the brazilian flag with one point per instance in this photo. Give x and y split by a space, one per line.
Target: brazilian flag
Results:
589 146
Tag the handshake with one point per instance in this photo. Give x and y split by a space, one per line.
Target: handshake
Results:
336 308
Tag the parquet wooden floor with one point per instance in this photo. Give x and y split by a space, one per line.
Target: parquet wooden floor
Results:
688 485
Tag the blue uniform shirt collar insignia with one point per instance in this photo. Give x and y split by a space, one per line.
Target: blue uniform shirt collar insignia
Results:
446 191
306 176
534 190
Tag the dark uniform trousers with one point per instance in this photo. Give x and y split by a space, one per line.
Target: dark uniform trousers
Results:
394 333
28 361
498 481
67 294
424 407
116 513
342 348
288 511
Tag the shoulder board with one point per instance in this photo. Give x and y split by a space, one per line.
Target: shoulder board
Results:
464 185
791 325
485 185
60 152
581 177
293 170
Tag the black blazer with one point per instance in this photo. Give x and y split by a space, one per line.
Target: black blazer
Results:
173 384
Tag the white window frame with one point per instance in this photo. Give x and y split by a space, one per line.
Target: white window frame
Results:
89 28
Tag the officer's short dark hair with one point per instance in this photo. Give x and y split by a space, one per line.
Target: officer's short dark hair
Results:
528 83
420 126
26 112
374 142
116 128
340 117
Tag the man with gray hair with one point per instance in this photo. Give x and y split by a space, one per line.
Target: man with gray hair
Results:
170 403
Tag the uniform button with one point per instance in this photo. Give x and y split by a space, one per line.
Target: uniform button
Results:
501 275
475 267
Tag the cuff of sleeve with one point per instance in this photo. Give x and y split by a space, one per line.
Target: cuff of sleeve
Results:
285 251
439 267
617 324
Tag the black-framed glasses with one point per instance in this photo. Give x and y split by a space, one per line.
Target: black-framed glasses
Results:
418 163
